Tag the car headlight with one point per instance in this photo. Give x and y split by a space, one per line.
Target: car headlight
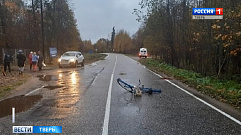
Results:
59 60
71 60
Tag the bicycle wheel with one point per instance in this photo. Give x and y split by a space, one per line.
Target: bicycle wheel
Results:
126 86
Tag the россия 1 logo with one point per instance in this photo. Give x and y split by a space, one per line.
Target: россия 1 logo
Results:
207 13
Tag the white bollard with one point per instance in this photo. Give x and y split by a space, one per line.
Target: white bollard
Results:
13 114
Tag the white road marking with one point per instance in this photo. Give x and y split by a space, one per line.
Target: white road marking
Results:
35 90
93 64
206 103
107 108
107 55
131 59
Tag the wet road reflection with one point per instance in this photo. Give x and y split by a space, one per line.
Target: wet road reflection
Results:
52 87
66 88
59 97
60 75
73 77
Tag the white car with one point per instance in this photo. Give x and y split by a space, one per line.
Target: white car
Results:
71 58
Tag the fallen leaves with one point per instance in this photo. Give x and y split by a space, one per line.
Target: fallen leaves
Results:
10 81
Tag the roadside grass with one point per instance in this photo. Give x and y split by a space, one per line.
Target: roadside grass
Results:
9 83
227 91
90 58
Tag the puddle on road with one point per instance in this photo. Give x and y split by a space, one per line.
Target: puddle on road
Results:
21 103
64 72
53 87
48 77
122 73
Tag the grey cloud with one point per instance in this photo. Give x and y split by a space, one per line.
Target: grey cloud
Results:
96 18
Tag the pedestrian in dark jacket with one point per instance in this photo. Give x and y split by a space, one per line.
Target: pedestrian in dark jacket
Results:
40 61
7 60
21 59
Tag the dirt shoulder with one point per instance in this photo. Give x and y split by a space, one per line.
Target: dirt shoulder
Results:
13 81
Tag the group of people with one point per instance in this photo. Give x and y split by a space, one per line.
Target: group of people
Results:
35 60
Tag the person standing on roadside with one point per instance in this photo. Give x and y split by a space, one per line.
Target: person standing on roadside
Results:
40 61
34 61
30 60
21 59
6 62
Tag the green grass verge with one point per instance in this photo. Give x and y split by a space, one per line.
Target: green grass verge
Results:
224 90
89 58
12 84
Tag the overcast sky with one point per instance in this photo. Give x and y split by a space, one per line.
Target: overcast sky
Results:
95 18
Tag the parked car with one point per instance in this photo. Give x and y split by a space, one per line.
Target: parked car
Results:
71 58
143 53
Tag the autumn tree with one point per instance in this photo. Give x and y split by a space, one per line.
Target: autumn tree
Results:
101 45
123 42
20 25
87 46
210 47
138 38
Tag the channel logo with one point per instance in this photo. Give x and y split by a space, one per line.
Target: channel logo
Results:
37 129
207 13
22 129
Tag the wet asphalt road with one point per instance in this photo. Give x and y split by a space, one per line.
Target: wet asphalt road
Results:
75 98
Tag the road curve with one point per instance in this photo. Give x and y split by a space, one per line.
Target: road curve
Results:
89 101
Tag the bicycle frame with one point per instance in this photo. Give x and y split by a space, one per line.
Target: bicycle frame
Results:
133 89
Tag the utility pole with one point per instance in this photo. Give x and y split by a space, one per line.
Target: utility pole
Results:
42 25
4 25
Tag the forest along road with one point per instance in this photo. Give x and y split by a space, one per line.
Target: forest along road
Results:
89 101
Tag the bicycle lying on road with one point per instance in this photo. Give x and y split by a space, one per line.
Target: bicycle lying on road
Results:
136 89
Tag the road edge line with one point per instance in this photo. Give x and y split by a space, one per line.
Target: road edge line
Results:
204 102
107 108
34 90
